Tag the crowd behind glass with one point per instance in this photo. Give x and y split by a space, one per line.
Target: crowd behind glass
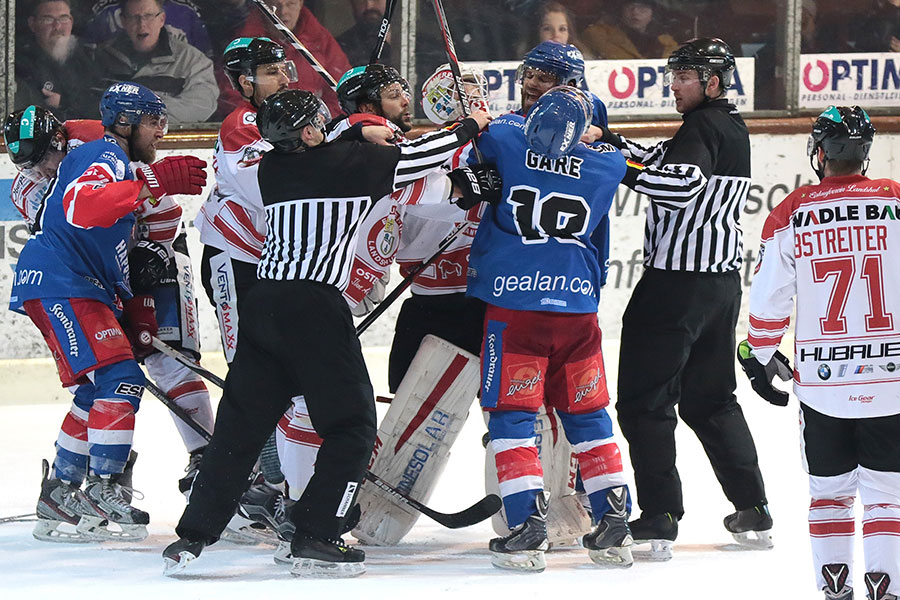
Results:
69 51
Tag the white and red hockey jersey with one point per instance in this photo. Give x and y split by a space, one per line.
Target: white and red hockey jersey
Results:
28 190
232 219
835 247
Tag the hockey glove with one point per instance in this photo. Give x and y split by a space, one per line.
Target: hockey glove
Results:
148 264
174 175
373 298
139 321
477 183
761 376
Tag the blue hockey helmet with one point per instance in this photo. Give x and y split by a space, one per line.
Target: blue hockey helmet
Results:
564 61
557 121
127 102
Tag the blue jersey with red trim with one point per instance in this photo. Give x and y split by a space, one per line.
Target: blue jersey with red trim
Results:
534 249
80 245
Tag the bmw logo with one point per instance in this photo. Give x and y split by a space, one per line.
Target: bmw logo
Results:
824 371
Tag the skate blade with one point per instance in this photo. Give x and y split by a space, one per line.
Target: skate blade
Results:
653 550
322 569
242 531
59 532
617 557
99 528
282 554
527 561
174 567
755 540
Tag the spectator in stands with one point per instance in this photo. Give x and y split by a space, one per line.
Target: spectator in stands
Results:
554 22
880 28
223 19
153 54
314 36
53 67
636 34
358 41
181 15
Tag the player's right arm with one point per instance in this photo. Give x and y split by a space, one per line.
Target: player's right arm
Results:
98 199
774 283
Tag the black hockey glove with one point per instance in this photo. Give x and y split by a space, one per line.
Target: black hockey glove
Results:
478 183
148 263
611 138
761 376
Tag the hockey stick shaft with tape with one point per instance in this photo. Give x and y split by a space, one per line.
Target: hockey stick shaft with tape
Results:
383 31
184 360
476 513
296 43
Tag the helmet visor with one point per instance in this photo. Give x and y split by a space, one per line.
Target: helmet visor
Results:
267 72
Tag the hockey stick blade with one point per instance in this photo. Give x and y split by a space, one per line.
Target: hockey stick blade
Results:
190 364
478 512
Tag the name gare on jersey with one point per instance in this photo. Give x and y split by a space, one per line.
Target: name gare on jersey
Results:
570 166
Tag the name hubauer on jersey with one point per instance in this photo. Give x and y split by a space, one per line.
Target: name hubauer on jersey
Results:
838 240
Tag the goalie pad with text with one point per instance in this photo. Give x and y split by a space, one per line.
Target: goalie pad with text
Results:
567 519
415 436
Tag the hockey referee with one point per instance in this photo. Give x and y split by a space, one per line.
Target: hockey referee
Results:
678 329
297 334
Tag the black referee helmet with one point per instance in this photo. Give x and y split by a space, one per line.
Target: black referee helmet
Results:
282 117
707 56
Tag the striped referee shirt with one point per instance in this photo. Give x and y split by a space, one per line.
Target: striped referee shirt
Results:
315 200
697 183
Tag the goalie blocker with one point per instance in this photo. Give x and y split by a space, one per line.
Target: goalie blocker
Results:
415 436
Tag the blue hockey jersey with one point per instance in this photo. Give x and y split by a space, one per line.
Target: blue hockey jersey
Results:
80 246
533 250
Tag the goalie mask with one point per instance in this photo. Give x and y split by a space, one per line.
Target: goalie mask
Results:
282 117
29 135
843 133
440 99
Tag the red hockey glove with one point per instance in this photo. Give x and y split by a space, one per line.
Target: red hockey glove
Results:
139 321
174 175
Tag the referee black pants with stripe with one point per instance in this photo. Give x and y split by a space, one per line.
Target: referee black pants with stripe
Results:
295 337
678 348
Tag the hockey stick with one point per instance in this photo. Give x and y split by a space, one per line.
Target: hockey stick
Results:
297 44
190 364
407 281
19 518
481 510
383 31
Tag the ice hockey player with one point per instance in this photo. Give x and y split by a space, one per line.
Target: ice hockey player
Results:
829 249
299 334
158 263
534 264
72 280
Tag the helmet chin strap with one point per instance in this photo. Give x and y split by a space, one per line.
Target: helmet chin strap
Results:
817 167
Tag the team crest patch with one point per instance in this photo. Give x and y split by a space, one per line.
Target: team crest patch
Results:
383 242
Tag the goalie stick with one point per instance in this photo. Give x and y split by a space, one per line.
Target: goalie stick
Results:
383 31
296 43
478 512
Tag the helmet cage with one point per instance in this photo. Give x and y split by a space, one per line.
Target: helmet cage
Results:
440 99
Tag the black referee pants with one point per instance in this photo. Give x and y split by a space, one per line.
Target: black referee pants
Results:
678 348
294 335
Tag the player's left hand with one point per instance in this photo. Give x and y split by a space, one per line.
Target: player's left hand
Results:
139 322
761 376
474 184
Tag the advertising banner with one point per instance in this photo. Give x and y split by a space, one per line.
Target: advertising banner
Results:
866 79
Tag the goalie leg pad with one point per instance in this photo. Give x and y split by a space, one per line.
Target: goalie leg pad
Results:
414 439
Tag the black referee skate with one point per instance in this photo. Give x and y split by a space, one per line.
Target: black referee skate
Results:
609 544
58 511
877 585
836 587
190 473
751 527
657 530
283 555
523 549
179 553
325 558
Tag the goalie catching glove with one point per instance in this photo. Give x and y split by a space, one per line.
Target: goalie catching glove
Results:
476 183
174 175
761 376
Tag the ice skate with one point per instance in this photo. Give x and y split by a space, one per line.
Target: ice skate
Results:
107 514
266 505
751 527
609 544
877 585
58 511
179 553
523 549
283 555
324 558
191 470
836 587
659 531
